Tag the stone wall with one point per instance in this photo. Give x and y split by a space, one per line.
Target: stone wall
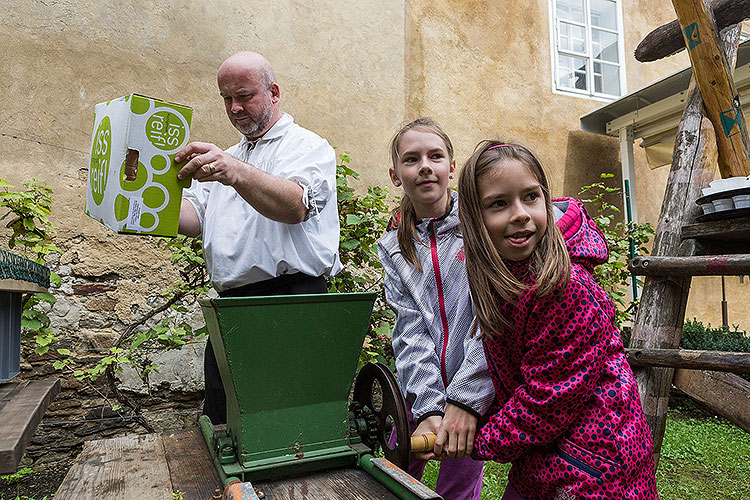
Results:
101 295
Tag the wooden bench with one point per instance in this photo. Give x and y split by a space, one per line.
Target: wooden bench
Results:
22 405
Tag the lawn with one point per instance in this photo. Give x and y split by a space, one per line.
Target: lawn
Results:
702 457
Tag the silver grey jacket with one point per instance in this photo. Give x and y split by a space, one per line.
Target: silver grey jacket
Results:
436 359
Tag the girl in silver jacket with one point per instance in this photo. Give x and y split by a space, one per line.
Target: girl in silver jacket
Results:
442 370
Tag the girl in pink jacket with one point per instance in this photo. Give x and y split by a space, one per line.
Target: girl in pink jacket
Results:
567 413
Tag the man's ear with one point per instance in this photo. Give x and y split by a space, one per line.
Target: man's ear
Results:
275 92
394 177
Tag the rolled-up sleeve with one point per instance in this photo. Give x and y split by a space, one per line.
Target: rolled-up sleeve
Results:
315 171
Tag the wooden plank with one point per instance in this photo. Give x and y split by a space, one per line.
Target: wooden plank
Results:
735 362
11 285
714 77
667 39
733 230
22 407
122 468
723 393
190 467
338 484
709 265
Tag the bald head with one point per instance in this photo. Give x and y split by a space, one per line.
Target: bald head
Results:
250 62
250 92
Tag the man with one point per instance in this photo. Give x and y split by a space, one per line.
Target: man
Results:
266 207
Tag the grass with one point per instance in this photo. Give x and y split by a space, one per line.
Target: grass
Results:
702 457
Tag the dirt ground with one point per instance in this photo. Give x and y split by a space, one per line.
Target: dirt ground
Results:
41 482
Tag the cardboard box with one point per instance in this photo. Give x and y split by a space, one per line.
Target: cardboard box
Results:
146 199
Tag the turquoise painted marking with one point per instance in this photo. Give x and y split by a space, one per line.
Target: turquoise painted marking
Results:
729 119
692 36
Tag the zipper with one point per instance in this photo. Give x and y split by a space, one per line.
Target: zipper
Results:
441 300
579 464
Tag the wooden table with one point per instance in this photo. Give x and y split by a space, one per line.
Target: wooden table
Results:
153 466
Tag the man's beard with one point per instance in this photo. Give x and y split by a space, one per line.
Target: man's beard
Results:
253 130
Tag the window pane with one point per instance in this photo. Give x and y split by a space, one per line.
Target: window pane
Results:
606 79
604 14
604 45
572 38
571 72
571 10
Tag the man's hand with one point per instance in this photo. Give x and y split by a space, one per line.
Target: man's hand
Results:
430 424
207 162
455 437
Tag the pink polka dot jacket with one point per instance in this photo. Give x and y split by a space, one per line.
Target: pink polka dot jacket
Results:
567 413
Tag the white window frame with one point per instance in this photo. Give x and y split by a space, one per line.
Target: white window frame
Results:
589 56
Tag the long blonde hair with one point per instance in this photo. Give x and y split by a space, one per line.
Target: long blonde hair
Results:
488 275
404 213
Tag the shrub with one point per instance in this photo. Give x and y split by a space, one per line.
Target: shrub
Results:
623 239
704 338
363 219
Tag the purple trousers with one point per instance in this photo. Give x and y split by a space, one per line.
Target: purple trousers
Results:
458 479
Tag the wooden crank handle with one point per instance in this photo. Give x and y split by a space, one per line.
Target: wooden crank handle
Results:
423 443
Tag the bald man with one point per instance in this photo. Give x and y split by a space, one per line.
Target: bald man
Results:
266 207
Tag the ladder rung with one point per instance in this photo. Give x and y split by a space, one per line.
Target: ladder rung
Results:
709 265
735 362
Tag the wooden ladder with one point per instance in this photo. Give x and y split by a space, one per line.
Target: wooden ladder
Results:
683 249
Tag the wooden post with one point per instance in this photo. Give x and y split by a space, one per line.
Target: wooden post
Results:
714 76
661 314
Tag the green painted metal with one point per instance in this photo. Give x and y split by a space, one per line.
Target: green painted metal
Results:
287 364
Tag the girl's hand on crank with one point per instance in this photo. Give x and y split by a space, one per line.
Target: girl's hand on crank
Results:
430 424
455 437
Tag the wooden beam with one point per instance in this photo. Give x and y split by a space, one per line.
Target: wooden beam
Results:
11 285
730 230
22 405
735 362
723 393
667 40
714 76
712 265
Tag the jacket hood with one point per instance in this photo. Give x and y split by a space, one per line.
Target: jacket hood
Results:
585 241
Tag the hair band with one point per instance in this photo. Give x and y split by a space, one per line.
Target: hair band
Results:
498 146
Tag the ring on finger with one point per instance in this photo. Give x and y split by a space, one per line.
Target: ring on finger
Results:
211 168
